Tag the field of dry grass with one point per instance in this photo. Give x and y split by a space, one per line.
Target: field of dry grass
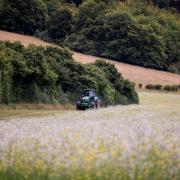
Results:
29 110
134 73
131 142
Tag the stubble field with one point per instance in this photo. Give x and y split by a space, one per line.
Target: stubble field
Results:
121 142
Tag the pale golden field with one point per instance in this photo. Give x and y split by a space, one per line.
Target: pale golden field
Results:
121 142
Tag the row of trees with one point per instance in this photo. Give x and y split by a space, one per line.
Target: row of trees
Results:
50 75
132 32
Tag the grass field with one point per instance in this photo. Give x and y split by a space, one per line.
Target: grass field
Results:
29 110
121 142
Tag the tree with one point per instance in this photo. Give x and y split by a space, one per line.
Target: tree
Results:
21 16
60 24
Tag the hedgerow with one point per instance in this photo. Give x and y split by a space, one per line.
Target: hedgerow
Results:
50 75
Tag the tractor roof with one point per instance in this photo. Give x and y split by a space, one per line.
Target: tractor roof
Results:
89 90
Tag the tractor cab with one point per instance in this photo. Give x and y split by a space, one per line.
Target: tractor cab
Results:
89 93
88 99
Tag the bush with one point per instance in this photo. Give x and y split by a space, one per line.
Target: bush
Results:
160 87
50 75
154 87
149 86
171 88
157 87
167 88
174 88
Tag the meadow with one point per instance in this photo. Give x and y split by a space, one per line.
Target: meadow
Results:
119 142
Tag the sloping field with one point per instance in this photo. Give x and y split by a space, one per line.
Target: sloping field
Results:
134 73
125 141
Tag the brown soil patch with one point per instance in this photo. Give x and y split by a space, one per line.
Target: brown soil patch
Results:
136 74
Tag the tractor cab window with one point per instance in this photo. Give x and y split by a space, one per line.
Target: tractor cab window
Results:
85 93
88 93
91 93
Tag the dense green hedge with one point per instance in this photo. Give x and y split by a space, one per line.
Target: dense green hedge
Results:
50 75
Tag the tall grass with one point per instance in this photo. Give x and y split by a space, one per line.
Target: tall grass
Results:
121 142
148 163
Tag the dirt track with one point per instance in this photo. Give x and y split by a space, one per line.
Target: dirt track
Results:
134 73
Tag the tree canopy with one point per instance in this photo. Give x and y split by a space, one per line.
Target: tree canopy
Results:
22 16
50 75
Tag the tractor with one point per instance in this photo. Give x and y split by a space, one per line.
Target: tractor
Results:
88 100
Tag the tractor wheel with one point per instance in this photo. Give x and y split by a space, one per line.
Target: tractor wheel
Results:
97 105
78 108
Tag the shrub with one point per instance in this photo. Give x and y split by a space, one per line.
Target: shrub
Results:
171 87
149 86
154 87
160 87
157 87
167 88
174 88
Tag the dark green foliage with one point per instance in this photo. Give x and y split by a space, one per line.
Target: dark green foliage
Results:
174 88
154 87
149 86
128 32
60 24
124 86
23 16
50 75
165 87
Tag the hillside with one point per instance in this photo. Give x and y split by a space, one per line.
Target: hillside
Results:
143 33
134 73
